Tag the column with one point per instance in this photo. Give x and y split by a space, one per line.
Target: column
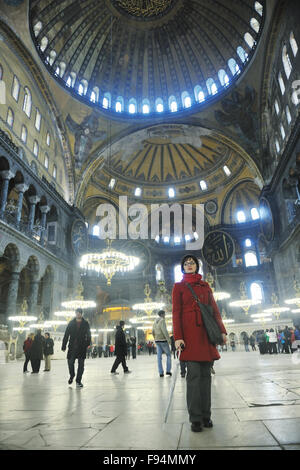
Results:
33 200
6 176
44 210
12 294
33 296
21 188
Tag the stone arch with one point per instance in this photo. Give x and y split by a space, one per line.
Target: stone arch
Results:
12 254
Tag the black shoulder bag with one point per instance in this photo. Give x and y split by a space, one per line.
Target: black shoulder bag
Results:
212 328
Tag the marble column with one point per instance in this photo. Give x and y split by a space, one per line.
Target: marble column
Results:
33 200
33 296
21 188
44 210
6 176
12 294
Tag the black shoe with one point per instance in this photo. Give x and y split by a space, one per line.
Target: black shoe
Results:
161 375
196 427
208 423
183 376
114 373
169 373
127 371
70 380
79 384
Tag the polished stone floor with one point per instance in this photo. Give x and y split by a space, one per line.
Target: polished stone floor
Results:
256 405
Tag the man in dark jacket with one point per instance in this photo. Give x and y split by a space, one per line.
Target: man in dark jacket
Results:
36 352
79 336
48 351
121 350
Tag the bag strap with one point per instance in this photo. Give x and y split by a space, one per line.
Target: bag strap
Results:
193 292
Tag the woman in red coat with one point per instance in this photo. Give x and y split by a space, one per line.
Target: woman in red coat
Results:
190 332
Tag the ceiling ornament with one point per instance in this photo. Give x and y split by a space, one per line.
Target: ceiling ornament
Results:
144 8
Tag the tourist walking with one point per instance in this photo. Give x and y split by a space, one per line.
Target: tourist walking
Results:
26 348
79 336
48 351
162 341
120 349
36 352
189 332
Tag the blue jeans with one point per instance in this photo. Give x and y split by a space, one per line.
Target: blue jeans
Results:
163 346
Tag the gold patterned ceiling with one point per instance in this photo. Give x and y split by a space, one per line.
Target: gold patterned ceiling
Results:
146 58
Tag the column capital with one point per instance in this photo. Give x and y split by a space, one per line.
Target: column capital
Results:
34 199
7 174
21 188
44 209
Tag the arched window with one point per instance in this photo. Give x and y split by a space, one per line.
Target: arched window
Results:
146 106
276 105
295 97
293 44
242 53
119 104
69 81
96 231
132 107
256 291
241 216
281 83
259 8
52 57
106 102
277 146
211 86
186 100
159 270
35 148
24 134
288 115
46 161
254 24
173 104
83 86
286 62
62 66
254 213
27 102
48 139
15 88
223 77
159 105
199 94
250 259
226 170
34 168
37 28
249 40
233 66
54 172
57 71
44 43
177 273
38 119
248 242
203 185
171 192
282 131
138 192
10 117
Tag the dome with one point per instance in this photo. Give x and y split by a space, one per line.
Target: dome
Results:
146 58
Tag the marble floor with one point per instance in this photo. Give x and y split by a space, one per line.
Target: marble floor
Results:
255 405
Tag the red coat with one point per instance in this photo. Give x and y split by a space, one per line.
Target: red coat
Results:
187 319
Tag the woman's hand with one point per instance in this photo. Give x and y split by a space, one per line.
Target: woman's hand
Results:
178 343
224 338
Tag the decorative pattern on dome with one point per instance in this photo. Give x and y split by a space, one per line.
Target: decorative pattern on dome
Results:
184 57
144 8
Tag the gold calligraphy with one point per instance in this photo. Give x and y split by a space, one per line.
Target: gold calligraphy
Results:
218 248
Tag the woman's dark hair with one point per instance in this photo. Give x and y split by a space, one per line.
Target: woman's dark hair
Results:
185 258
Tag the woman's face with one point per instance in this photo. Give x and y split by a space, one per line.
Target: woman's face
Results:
189 266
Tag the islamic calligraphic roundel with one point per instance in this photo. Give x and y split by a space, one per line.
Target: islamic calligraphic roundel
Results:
218 248
266 219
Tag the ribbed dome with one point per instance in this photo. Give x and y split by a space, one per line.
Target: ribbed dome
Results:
146 56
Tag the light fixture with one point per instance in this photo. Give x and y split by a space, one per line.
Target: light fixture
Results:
221 295
295 300
296 310
244 303
67 314
109 262
148 306
276 309
79 301
228 320
55 323
22 319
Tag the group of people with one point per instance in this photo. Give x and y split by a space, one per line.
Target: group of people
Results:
36 347
284 341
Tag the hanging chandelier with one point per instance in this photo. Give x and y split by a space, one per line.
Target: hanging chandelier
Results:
276 309
67 314
221 295
244 303
295 300
109 262
22 319
148 306
79 301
